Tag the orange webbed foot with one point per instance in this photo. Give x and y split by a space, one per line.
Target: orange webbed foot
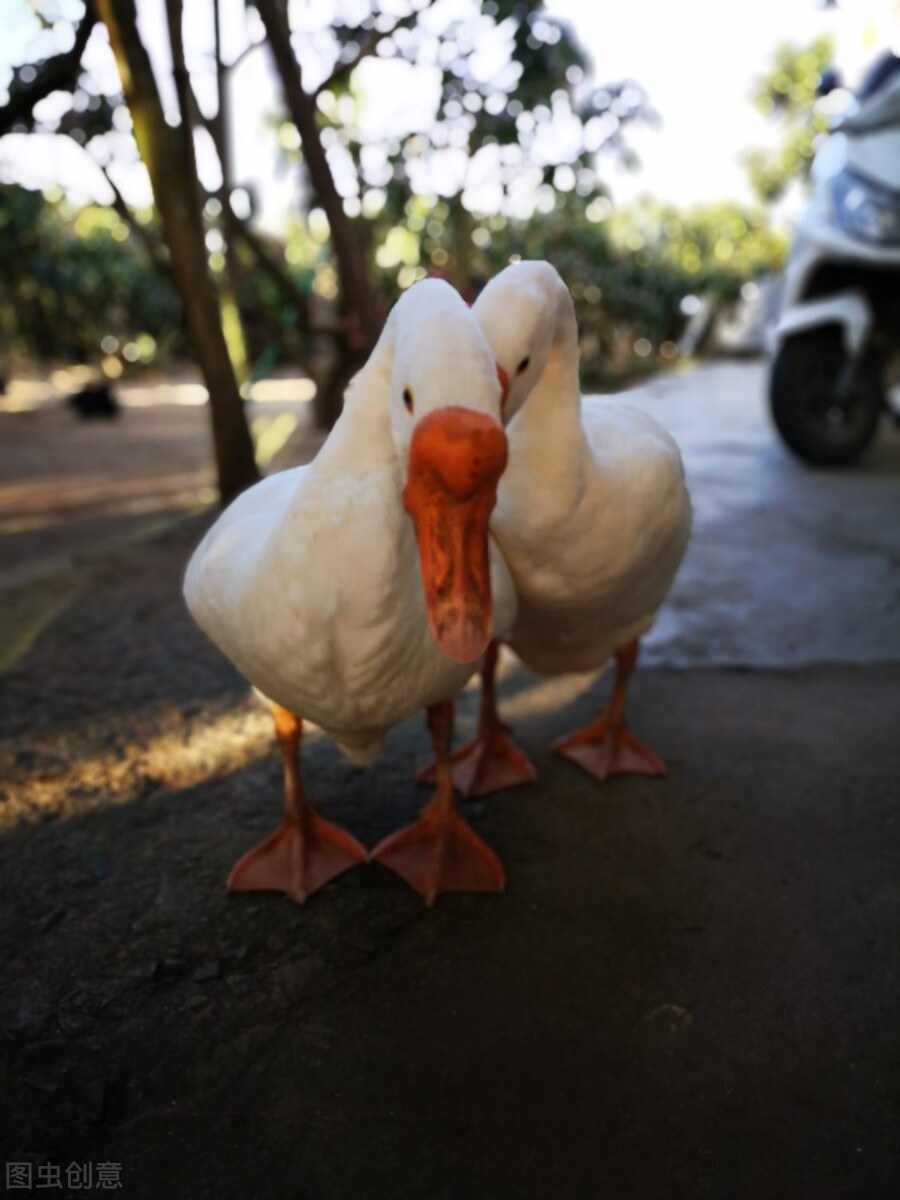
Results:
300 857
605 750
489 762
441 853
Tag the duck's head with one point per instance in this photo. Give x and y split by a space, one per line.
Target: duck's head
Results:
444 404
525 311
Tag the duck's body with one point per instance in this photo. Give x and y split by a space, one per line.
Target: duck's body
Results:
310 584
341 609
592 548
593 518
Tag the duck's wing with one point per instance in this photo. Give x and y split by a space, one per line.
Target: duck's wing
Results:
639 491
636 463
623 436
222 566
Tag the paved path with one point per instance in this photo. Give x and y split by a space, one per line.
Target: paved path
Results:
688 991
787 565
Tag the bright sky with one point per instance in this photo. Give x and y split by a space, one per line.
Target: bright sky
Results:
696 59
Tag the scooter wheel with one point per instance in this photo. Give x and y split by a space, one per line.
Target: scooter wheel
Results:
819 424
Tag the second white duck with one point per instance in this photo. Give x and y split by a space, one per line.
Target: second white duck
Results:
593 518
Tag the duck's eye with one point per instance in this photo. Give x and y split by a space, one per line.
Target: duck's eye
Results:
523 366
408 399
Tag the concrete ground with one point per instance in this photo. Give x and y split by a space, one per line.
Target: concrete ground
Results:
689 989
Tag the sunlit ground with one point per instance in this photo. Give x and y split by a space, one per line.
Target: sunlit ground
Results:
84 480
27 394
72 492
172 755
102 777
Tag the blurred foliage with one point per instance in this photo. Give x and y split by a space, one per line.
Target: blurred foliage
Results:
533 130
516 124
787 93
629 271
76 281
536 111
72 278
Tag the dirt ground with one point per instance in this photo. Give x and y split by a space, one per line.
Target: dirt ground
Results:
689 989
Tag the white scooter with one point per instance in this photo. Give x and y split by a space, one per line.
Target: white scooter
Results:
837 342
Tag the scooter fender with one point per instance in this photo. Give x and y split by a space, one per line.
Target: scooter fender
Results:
848 309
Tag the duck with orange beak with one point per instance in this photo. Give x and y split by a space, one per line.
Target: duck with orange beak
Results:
360 588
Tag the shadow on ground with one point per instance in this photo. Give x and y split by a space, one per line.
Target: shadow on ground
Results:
689 984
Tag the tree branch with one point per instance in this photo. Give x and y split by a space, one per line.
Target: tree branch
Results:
154 249
368 47
247 50
343 69
357 294
187 101
276 272
55 74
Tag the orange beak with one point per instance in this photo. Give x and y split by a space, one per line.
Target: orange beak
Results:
456 458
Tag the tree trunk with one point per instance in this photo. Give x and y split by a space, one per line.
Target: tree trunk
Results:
461 235
168 156
358 301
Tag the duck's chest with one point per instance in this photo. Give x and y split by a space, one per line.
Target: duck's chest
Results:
385 661
347 643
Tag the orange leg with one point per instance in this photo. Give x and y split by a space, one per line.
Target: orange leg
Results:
440 853
489 762
605 747
306 851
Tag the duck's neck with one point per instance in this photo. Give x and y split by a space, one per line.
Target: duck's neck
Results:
547 440
554 403
362 433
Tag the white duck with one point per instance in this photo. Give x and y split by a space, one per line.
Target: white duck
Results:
593 518
340 609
